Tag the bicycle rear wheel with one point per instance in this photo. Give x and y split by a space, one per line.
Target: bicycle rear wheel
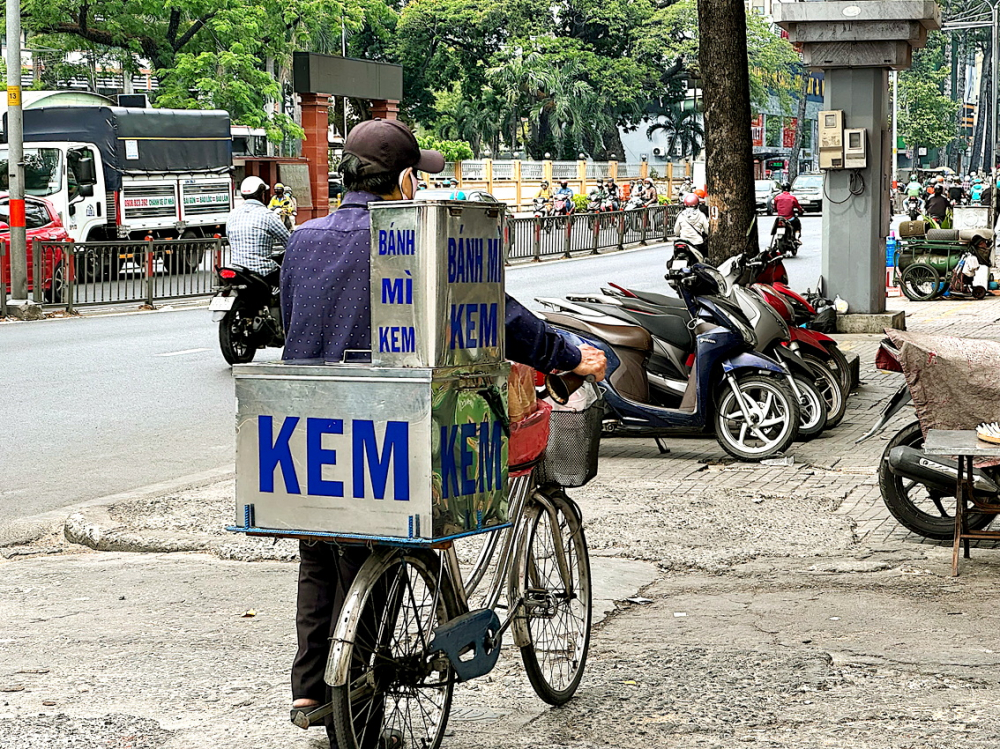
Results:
553 627
383 679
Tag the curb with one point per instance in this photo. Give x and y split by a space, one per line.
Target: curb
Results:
34 527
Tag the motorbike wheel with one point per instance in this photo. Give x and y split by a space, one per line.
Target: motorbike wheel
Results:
235 337
928 514
829 386
839 364
774 409
812 408
920 282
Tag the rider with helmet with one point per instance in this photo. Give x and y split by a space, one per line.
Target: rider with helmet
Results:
787 207
692 225
649 196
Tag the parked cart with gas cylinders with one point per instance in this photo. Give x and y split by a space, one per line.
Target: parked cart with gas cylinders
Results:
946 262
435 441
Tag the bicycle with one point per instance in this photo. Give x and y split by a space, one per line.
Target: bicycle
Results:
407 633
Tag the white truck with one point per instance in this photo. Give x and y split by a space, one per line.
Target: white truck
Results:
115 173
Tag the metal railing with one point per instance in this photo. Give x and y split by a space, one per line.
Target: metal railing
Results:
564 170
503 170
82 274
473 170
561 236
144 271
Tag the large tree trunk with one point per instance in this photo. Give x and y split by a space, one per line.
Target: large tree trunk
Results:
800 123
960 163
979 134
725 79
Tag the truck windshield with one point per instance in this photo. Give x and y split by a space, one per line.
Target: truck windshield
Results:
42 171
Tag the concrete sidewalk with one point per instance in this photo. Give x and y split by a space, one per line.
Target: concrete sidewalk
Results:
787 610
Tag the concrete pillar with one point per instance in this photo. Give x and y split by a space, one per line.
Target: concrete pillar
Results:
643 169
316 122
458 172
517 184
547 170
385 109
581 176
855 226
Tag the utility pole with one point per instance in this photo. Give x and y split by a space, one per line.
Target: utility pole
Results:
895 127
995 7
19 305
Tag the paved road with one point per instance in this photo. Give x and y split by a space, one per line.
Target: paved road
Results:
101 405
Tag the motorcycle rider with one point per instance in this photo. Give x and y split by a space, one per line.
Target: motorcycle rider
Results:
545 194
254 232
787 207
325 305
955 193
284 205
564 193
613 193
649 194
692 224
913 188
937 205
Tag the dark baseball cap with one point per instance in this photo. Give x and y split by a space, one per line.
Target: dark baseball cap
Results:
389 146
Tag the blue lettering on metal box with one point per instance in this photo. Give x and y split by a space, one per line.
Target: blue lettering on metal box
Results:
459 476
369 463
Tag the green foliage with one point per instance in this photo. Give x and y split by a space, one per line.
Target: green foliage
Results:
580 203
926 115
453 150
228 54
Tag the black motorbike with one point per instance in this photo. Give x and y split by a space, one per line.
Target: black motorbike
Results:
783 237
913 207
918 489
248 311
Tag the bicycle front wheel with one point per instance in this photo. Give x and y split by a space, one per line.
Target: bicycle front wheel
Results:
552 577
387 688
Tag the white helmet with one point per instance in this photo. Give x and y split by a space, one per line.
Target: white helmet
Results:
251 185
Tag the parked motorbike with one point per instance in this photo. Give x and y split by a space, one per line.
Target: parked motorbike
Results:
918 489
722 384
783 237
248 311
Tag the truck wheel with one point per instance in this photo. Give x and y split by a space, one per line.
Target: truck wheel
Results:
54 294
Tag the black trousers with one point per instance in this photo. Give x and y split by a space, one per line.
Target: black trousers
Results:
325 575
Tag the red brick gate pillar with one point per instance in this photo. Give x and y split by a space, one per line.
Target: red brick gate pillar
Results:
385 109
316 122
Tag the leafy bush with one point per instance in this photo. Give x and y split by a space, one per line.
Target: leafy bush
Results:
580 203
453 150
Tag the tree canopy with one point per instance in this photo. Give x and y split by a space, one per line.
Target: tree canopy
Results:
504 75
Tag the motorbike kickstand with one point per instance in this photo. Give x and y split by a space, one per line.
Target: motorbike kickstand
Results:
662 448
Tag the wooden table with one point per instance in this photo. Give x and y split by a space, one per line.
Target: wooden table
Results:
965 445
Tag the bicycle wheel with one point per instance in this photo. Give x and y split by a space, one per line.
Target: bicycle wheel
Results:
553 627
920 282
383 679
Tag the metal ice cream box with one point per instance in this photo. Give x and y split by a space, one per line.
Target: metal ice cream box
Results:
394 455
437 283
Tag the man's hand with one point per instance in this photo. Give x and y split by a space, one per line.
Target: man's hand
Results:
592 362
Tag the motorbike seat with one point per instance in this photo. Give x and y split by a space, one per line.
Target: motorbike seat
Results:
670 328
660 300
629 336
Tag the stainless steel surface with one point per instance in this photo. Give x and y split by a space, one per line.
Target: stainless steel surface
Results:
437 284
958 442
380 452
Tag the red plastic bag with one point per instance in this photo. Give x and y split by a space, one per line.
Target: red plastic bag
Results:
528 438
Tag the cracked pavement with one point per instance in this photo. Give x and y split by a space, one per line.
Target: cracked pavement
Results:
787 610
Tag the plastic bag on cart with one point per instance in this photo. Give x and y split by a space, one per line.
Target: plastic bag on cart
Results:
521 398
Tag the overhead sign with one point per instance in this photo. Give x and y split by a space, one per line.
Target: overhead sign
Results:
757 129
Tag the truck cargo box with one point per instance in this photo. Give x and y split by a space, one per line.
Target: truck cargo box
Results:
138 141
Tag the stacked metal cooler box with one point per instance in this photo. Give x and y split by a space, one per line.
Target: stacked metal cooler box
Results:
410 447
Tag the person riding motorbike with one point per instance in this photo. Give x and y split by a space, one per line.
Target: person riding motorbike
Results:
691 224
254 232
283 205
613 192
702 194
937 206
913 188
955 193
545 194
976 193
787 207
649 194
565 189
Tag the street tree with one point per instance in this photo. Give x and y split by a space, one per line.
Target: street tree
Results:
927 115
729 150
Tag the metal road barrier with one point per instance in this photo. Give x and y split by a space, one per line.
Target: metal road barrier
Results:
81 274
144 271
562 236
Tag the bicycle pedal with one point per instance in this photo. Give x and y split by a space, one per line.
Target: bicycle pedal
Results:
304 717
